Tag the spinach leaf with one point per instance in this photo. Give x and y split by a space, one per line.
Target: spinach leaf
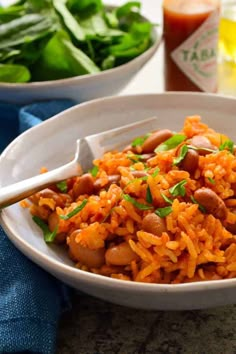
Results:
14 73
133 43
70 22
84 7
60 58
25 29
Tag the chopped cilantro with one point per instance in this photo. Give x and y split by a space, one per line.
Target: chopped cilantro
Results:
49 236
75 211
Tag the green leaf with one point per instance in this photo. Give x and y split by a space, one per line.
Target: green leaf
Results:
149 195
166 199
135 203
182 153
94 171
134 42
171 143
178 189
139 141
201 207
211 180
108 62
227 145
125 9
70 22
75 211
26 29
14 73
61 59
49 236
62 186
84 7
163 212
156 172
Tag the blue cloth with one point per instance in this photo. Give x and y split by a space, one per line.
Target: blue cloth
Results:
31 300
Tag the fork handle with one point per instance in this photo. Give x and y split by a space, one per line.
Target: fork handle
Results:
23 189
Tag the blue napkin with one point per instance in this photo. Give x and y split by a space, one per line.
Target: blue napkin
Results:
31 300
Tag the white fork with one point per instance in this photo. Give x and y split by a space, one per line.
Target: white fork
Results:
88 149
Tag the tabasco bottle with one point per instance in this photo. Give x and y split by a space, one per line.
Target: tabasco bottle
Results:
190 44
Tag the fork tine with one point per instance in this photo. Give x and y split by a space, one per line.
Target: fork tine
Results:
99 143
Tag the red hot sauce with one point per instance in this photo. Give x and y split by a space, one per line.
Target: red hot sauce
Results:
190 44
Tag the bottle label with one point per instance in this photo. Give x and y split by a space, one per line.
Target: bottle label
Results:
197 56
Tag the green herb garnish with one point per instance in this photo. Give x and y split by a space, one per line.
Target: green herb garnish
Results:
211 180
156 172
62 186
149 195
181 156
49 236
140 140
75 211
135 203
171 143
201 207
227 145
94 171
178 189
166 199
163 212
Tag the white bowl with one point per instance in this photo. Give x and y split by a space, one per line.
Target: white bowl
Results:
81 88
42 146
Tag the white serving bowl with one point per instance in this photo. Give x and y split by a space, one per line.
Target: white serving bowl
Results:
52 143
81 88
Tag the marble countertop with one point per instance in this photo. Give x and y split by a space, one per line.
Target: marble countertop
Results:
97 327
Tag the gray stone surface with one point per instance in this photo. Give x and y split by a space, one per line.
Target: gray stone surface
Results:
97 327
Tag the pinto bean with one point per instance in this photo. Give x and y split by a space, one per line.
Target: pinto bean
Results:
202 143
111 179
83 185
48 193
153 224
211 202
190 161
139 174
156 139
146 157
120 255
89 257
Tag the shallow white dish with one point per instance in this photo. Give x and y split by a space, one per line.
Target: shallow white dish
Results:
81 88
53 143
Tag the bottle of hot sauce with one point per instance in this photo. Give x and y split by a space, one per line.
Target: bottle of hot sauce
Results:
190 44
